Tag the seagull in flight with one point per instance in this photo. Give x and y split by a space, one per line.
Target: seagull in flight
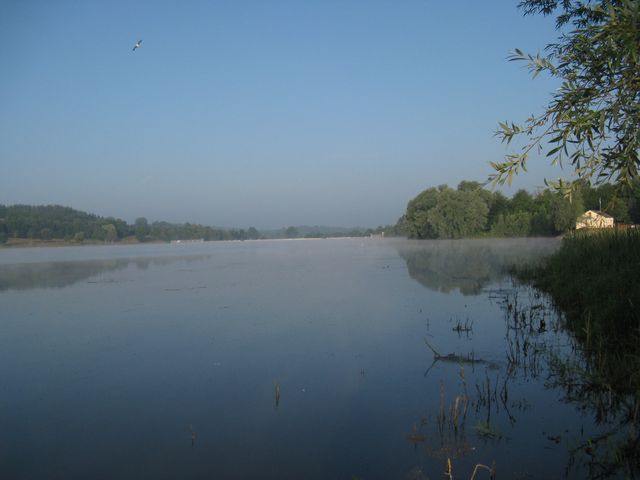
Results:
137 45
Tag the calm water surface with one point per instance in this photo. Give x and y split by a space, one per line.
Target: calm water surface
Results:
162 361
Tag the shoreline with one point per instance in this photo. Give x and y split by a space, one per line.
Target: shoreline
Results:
35 243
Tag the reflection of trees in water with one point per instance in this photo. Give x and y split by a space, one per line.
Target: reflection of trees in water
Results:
468 265
605 383
25 276
600 377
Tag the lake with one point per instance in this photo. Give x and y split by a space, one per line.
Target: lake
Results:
339 358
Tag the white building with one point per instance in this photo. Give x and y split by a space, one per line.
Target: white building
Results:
594 219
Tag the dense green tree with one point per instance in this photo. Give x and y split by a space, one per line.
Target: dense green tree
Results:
542 214
122 228
446 213
566 211
46 234
252 233
634 202
240 234
593 120
292 232
470 186
499 205
458 214
471 211
522 201
4 231
141 228
516 224
110 232
415 218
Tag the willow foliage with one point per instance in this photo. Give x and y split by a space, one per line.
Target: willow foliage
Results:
592 122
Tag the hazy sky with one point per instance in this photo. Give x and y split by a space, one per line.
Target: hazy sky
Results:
259 113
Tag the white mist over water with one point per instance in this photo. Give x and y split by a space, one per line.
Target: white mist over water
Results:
112 369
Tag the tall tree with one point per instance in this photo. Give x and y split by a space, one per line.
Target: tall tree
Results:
446 213
4 231
253 233
141 228
110 233
416 217
593 119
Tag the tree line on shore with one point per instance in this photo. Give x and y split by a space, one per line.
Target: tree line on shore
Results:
47 222
472 211
438 212
55 222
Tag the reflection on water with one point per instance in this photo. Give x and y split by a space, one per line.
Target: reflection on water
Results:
469 265
599 377
24 276
298 359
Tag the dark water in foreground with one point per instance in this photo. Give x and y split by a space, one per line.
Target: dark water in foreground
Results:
162 361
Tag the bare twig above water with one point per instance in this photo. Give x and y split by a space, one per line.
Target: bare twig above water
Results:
452 357
491 470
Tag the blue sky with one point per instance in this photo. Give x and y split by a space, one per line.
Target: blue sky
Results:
259 113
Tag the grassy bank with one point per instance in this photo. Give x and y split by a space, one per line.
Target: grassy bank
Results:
595 279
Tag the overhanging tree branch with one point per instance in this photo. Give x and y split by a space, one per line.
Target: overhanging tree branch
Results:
593 120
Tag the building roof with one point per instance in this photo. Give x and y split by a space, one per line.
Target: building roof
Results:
598 212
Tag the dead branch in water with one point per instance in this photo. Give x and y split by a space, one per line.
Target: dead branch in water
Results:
452 357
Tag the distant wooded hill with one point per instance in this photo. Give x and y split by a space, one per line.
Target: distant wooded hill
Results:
48 222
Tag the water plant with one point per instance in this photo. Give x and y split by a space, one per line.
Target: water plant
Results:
593 279
193 436
277 395
486 430
465 326
415 436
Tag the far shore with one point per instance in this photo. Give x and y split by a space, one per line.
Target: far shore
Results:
59 242
35 243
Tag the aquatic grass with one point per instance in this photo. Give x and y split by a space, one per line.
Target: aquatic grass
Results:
465 327
458 410
593 278
415 436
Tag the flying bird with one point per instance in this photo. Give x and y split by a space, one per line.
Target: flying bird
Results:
137 45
